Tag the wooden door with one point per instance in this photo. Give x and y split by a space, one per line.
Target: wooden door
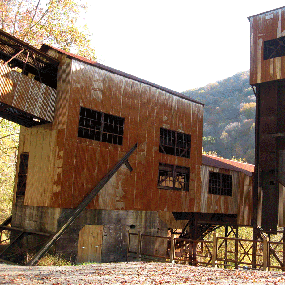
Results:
90 243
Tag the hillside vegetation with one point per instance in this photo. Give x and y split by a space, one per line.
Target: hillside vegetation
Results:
229 117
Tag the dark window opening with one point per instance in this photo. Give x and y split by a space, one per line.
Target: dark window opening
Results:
174 143
22 174
101 127
173 177
220 184
274 48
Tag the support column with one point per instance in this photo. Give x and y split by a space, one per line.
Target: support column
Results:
236 248
226 246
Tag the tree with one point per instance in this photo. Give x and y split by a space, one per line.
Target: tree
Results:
54 22
9 137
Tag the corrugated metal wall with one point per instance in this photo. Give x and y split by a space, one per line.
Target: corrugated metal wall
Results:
240 203
264 27
78 164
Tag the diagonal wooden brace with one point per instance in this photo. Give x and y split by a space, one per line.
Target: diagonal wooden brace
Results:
127 163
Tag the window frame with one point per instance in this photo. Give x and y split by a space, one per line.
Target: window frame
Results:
100 126
22 174
220 184
174 143
172 170
274 48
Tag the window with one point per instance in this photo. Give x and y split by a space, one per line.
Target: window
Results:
22 174
220 184
174 143
274 48
173 177
101 127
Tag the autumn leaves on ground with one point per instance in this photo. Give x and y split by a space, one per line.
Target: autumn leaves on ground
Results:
134 273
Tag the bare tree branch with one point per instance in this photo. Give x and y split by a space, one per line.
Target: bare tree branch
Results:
9 135
16 15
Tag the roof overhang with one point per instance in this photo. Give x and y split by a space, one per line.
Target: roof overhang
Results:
273 10
45 48
223 163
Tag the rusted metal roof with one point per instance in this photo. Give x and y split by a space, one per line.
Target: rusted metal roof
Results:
265 12
220 162
45 48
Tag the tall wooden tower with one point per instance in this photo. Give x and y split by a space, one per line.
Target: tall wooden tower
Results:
267 76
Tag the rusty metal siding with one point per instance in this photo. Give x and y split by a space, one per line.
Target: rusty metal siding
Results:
26 94
264 27
145 110
74 165
47 145
240 203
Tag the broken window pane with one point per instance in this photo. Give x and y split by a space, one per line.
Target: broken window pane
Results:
99 126
175 143
173 177
22 174
220 184
274 48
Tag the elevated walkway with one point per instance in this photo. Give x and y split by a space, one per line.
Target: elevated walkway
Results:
28 82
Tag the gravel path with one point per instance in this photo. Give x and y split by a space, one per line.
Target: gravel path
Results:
134 273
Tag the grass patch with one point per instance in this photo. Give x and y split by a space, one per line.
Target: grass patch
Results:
53 260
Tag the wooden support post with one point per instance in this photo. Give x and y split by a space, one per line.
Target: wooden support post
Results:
127 163
172 249
265 254
194 256
226 246
214 254
236 248
139 249
254 246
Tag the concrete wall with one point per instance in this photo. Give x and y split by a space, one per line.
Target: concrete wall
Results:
115 227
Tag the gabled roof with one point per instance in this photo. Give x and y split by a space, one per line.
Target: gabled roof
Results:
45 48
224 163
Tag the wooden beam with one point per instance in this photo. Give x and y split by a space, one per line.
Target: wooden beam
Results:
81 207
128 165
12 243
7 221
22 230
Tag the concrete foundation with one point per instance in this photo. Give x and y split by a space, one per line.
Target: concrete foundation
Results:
106 245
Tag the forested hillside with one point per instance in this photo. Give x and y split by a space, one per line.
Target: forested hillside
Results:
229 117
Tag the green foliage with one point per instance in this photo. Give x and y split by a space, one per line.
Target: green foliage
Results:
9 136
248 110
229 117
54 22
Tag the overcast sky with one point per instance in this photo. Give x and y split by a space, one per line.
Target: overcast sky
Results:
178 44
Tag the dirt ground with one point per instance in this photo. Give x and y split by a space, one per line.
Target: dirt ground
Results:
134 273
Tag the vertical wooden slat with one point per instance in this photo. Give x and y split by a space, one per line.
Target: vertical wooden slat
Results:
214 254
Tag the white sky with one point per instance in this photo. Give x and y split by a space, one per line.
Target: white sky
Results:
178 44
